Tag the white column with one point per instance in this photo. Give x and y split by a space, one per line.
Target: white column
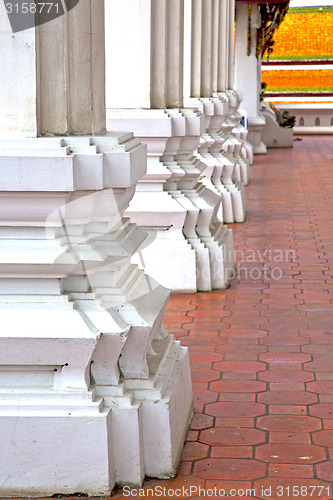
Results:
94 392
35 100
217 145
231 58
247 73
146 37
171 203
223 53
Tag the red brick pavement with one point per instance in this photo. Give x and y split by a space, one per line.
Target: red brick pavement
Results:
262 351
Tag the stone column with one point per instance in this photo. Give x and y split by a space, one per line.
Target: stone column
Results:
231 58
171 203
206 79
248 73
94 392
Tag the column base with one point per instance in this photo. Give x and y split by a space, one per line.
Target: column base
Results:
49 453
169 257
260 149
93 391
75 443
255 126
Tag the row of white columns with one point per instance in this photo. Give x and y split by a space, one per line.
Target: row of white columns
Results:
176 94
93 391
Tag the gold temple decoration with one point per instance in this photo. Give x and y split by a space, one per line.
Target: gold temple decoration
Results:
272 15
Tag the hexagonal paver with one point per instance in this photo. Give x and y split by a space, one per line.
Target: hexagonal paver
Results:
287 410
320 386
320 364
200 421
176 319
204 356
234 469
231 451
277 437
286 423
322 410
237 386
325 470
249 349
194 451
239 366
290 453
286 376
317 349
284 357
323 438
320 320
234 422
290 470
203 343
209 313
249 333
292 340
232 436
287 398
320 336
201 394
203 375
235 409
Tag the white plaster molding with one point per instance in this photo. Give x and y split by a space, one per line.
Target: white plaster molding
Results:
185 215
88 371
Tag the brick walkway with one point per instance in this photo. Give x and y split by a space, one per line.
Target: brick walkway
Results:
262 351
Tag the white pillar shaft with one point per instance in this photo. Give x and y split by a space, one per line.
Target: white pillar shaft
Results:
55 83
246 75
207 45
145 41
196 44
215 44
231 58
71 96
18 101
187 60
175 54
159 30
223 54
129 53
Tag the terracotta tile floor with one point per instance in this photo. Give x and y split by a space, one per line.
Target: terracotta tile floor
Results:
262 351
